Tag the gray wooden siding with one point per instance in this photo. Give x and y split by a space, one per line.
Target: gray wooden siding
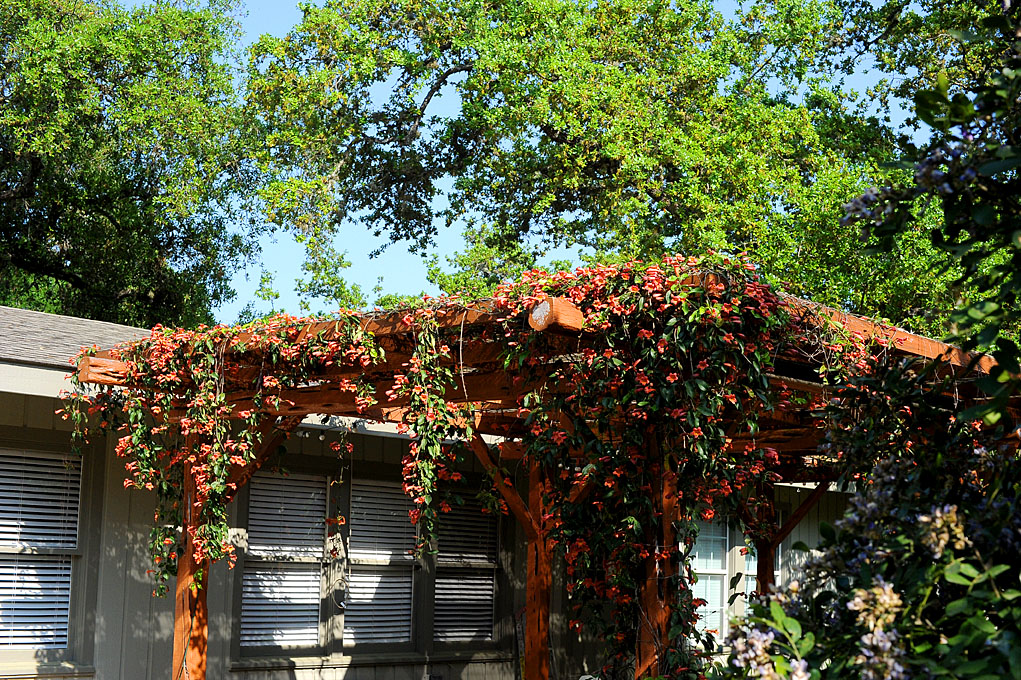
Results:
829 509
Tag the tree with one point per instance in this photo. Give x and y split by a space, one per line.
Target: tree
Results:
118 160
625 128
911 43
971 171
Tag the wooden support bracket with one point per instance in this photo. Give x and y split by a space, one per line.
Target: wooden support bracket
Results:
277 433
799 514
508 492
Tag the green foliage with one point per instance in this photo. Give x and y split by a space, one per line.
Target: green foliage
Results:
485 264
911 43
392 301
921 576
118 159
324 283
972 170
625 128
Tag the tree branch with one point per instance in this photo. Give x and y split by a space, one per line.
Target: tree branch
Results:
436 87
26 187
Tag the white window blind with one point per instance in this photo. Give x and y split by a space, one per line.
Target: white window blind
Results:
39 501
465 574
281 584
709 562
379 594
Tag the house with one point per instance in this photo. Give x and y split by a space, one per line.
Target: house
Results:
307 598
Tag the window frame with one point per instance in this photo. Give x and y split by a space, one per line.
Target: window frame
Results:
335 476
332 649
421 575
326 570
84 557
726 610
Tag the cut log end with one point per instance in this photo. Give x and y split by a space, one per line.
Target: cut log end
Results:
539 319
557 315
100 371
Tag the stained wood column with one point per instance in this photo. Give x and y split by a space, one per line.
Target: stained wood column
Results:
765 538
765 552
538 584
654 591
191 613
767 542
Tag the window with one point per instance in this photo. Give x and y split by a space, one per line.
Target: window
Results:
466 563
379 592
285 562
710 564
297 595
39 501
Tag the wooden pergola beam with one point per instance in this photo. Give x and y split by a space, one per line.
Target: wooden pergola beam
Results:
539 574
378 324
559 315
501 424
497 388
800 512
103 370
905 341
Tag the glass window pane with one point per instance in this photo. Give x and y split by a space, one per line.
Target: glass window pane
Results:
378 606
35 599
709 554
280 604
713 614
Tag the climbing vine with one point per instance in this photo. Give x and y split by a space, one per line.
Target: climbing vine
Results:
203 400
643 424
675 369
437 427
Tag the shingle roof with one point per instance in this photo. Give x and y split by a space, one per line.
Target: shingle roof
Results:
30 337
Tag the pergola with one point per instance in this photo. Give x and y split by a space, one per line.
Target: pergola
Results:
482 380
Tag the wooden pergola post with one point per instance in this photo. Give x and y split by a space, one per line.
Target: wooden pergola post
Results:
191 613
765 552
655 594
539 566
538 583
